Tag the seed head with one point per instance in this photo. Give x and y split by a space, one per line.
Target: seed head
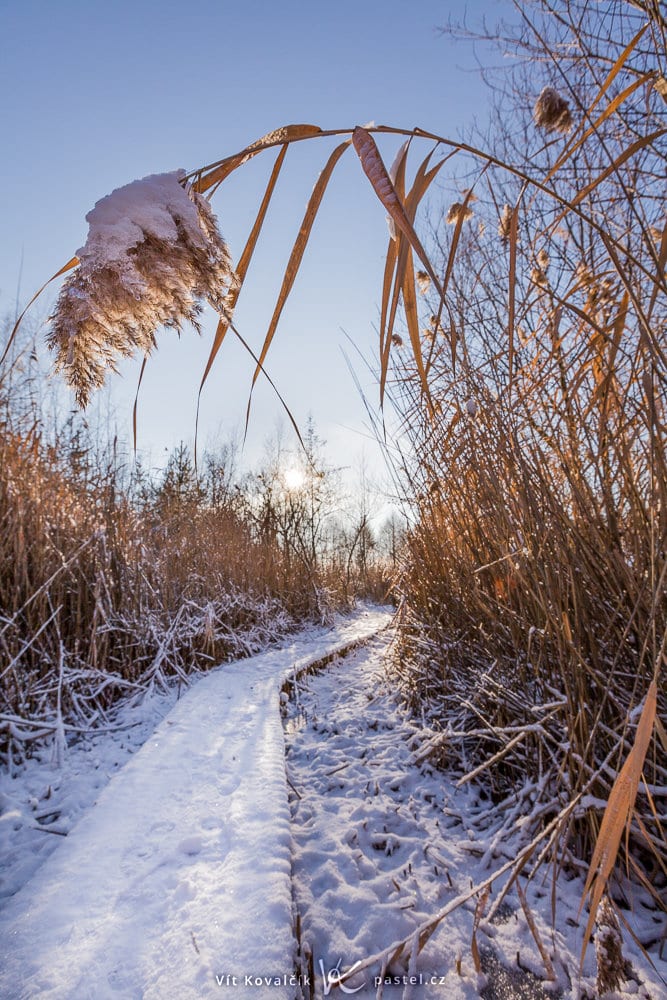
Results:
456 211
153 253
585 275
539 278
552 112
423 281
505 223
434 327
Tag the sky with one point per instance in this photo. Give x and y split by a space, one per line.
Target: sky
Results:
93 96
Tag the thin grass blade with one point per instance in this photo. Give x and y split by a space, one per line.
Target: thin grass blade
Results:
260 368
662 262
136 403
511 305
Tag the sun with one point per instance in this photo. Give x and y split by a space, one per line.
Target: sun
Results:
294 478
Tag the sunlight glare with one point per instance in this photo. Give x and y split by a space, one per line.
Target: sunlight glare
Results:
294 478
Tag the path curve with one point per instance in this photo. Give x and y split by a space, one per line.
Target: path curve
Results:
179 876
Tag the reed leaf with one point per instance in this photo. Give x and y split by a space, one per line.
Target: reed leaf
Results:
375 170
617 814
396 240
215 173
385 336
241 271
296 256
628 153
405 274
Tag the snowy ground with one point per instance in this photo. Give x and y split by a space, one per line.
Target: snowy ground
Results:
383 843
178 877
165 863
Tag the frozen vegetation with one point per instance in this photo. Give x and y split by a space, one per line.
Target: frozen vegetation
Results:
203 849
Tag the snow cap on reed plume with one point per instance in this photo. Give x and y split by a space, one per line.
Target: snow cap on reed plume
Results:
552 112
153 253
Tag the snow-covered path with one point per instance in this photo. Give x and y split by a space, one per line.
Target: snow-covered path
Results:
178 879
180 882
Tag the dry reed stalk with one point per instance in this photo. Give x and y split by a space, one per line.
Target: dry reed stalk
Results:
612 968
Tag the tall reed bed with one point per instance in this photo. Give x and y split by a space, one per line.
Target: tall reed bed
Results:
534 619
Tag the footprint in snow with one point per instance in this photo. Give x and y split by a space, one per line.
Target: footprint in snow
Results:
163 826
228 783
191 846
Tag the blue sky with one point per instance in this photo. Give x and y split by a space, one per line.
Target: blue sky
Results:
93 96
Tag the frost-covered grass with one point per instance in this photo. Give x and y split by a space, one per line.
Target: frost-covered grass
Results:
394 863
115 583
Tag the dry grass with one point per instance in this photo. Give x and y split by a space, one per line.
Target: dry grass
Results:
113 583
535 608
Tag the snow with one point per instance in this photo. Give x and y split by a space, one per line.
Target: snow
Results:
181 871
121 220
220 826
153 254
